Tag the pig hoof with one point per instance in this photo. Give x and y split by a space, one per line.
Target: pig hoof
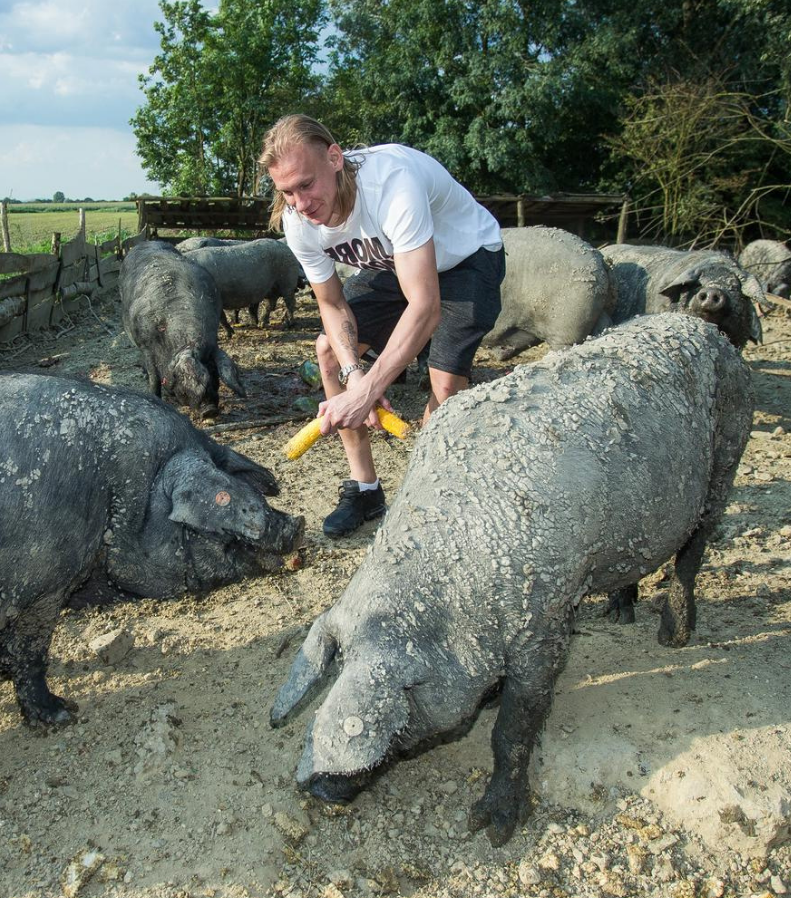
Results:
672 637
498 811
56 712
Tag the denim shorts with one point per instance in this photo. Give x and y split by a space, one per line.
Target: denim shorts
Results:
470 301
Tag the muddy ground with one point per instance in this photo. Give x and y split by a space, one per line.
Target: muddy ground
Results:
662 772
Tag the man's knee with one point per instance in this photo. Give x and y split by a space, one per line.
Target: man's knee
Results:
326 356
445 385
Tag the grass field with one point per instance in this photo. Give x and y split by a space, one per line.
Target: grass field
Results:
31 225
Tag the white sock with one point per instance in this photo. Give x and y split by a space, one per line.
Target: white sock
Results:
368 486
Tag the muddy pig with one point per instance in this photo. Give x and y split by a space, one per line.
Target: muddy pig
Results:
770 262
577 474
115 487
704 283
557 290
171 311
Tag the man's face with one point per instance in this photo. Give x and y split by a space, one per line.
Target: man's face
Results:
306 177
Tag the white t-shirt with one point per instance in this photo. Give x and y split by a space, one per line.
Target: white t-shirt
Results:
404 198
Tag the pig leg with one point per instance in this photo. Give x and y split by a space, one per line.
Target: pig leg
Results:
291 308
269 305
524 707
620 605
252 311
154 379
517 341
224 322
23 657
678 614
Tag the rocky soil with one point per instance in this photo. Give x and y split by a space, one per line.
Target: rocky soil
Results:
661 773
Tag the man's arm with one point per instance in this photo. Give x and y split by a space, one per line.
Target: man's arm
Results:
338 320
417 275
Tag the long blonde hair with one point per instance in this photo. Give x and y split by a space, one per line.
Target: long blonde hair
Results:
302 129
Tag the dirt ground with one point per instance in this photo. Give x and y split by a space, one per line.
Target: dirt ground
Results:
173 784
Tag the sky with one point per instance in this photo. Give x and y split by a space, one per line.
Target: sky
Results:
68 87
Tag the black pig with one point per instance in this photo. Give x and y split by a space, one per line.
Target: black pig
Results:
115 486
171 310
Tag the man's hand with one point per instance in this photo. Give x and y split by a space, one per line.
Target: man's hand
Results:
352 408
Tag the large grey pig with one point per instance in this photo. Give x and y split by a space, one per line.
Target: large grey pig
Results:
578 474
557 290
704 283
770 262
102 485
191 243
253 272
171 310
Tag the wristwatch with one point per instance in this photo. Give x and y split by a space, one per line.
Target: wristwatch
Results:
343 374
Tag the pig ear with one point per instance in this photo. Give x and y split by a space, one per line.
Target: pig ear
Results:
307 672
229 373
196 488
686 279
751 288
257 476
364 712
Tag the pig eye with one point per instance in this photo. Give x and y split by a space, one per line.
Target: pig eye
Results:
222 498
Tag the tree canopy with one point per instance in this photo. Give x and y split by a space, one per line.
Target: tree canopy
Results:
684 105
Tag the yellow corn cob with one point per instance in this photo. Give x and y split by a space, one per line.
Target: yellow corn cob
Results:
305 438
392 423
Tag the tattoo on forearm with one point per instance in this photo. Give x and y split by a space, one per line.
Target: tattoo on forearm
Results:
349 335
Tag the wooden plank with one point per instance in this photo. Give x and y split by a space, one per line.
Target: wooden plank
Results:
133 241
38 317
10 263
109 266
36 297
110 246
10 308
12 329
73 250
13 286
45 278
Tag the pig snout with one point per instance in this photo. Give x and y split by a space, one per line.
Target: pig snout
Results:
284 533
709 302
335 788
208 409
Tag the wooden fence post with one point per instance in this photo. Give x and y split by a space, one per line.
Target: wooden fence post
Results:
622 221
82 221
6 234
55 246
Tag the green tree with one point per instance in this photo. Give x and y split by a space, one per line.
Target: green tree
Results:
58 197
216 86
518 95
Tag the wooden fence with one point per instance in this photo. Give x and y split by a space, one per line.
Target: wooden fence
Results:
43 288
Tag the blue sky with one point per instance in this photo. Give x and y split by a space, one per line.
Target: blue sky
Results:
68 87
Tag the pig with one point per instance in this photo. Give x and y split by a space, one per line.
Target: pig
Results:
191 243
557 290
577 474
171 308
110 488
770 262
254 272
704 283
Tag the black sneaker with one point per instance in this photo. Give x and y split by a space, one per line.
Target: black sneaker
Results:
355 508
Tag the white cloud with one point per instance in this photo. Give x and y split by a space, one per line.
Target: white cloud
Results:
36 161
69 74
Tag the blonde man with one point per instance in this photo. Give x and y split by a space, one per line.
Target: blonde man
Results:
431 263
